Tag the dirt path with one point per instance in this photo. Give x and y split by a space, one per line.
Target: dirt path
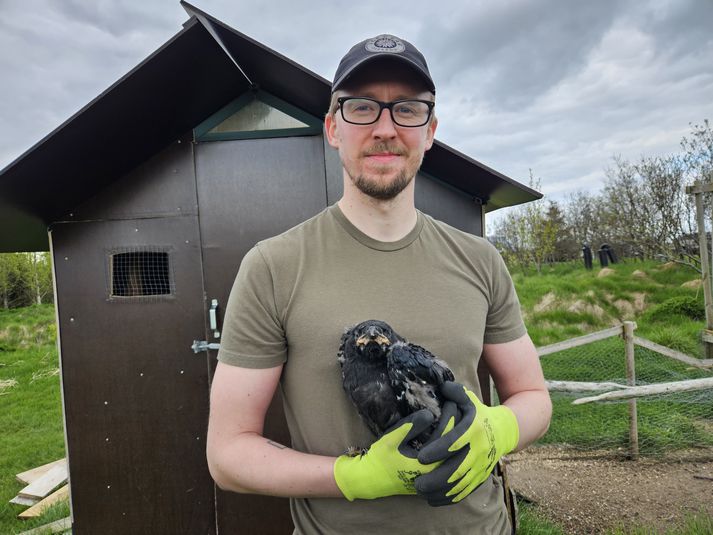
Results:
586 495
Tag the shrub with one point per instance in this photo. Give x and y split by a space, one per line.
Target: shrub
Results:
685 305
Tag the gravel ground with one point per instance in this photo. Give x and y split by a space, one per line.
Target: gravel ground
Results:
587 493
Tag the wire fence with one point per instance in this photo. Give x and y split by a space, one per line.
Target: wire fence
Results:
658 421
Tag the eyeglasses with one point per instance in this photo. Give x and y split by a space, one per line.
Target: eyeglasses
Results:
361 110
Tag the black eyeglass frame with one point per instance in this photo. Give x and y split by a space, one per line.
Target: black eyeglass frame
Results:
390 107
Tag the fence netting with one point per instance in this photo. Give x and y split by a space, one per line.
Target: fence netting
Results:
673 423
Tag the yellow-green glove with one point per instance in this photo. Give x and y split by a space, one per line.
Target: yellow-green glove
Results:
389 467
470 450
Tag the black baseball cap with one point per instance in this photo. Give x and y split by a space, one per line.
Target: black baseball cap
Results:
379 47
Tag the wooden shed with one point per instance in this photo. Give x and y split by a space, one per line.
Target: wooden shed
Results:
148 198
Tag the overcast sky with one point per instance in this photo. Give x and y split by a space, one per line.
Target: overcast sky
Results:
558 86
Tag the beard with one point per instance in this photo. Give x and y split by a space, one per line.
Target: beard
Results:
382 192
389 190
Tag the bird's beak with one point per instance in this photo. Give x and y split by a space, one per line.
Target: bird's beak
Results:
379 339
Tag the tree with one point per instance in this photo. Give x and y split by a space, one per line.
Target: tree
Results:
642 211
564 247
643 206
698 153
40 276
25 278
583 219
526 235
8 274
697 161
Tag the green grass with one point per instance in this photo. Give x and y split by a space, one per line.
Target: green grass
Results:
30 411
701 524
661 428
571 286
664 424
532 522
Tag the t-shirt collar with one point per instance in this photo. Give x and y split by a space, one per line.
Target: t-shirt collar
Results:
370 242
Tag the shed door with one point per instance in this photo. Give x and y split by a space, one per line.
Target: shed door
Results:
249 190
135 395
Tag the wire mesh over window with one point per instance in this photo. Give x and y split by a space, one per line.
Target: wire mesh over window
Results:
140 273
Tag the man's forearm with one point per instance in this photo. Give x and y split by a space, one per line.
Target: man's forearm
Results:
533 410
250 463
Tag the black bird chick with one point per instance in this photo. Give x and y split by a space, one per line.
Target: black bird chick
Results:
388 378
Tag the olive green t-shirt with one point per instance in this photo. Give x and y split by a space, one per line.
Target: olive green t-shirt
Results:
295 294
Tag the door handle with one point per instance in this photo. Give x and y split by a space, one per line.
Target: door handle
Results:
213 315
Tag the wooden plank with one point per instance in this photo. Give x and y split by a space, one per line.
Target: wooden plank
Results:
699 188
672 353
45 484
650 390
580 340
53 527
581 386
29 476
705 265
39 507
707 336
19 500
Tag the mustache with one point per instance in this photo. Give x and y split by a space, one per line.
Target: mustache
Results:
382 147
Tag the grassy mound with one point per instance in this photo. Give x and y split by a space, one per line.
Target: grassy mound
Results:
567 300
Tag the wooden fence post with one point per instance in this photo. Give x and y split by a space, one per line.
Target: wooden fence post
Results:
629 327
697 191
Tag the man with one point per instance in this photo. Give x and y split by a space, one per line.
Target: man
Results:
374 256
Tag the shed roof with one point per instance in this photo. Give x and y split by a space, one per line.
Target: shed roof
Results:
161 99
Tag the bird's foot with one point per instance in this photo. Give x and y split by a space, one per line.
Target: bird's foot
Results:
416 444
355 451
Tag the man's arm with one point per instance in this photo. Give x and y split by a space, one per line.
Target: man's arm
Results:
240 459
517 374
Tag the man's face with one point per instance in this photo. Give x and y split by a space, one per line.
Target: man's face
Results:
381 159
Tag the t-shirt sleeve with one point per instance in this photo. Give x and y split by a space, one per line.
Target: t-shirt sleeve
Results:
504 322
253 336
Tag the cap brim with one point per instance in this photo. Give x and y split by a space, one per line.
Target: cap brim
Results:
416 68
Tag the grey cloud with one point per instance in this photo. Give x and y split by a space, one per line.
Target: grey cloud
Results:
680 27
118 18
510 52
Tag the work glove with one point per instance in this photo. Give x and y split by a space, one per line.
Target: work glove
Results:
479 438
390 465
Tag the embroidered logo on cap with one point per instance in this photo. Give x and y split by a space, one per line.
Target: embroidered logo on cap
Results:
385 43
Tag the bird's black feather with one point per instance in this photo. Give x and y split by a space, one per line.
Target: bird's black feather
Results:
415 374
388 378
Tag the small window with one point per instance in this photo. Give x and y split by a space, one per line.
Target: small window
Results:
254 115
257 116
140 273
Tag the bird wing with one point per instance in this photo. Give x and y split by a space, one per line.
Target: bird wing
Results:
415 374
412 362
341 357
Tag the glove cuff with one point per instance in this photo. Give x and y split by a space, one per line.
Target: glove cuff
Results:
508 431
343 475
